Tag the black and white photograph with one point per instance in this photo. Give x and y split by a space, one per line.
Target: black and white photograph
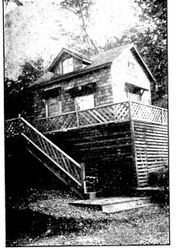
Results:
86 123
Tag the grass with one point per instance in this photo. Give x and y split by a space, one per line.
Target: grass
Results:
45 218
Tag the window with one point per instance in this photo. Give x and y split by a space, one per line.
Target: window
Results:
84 102
53 106
53 103
68 65
58 69
134 93
134 97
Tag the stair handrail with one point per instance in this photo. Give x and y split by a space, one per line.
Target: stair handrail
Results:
50 142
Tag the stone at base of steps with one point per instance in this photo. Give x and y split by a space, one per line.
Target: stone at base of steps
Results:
114 204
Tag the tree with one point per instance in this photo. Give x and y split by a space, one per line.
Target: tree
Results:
150 37
18 98
81 9
17 2
153 44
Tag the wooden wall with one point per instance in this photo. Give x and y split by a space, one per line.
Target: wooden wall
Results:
106 151
103 92
151 148
122 73
77 64
120 156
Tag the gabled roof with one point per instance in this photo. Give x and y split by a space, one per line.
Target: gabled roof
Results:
107 57
99 61
142 62
73 54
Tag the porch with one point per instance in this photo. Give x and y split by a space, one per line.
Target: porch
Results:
119 112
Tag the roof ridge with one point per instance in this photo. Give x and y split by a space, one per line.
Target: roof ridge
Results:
77 53
115 48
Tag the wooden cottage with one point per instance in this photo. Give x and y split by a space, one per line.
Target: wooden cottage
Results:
93 117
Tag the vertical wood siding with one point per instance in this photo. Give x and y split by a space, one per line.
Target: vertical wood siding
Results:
151 149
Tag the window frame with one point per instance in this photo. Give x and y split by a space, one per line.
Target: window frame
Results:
133 90
69 64
82 96
56 95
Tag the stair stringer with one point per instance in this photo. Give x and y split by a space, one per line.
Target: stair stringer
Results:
52 157
58 173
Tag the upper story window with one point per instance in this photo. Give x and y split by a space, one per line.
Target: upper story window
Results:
84 102
133 92
53 102
53 106
68 65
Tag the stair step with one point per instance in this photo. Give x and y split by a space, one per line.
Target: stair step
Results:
114 204
114 210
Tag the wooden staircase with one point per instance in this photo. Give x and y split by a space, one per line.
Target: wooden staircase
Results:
56 160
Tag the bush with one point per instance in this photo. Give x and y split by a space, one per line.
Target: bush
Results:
160 178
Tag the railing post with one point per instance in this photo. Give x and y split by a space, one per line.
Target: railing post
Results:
19 121
77 118
83 177
130 113
162 116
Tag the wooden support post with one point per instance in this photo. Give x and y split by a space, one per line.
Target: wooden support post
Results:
133 141
130 113
19 124
77 118
83 177
162 116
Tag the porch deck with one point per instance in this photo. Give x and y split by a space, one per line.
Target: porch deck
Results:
119 112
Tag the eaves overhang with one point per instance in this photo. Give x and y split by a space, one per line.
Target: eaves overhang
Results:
73 54
70 76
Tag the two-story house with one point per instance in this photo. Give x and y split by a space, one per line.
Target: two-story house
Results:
97 111
80 83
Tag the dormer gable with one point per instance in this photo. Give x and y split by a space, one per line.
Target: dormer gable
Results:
68 61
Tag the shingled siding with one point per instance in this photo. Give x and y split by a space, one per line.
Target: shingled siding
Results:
106 151
39 104
103 91
151 149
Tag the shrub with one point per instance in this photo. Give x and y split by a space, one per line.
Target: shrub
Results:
160 178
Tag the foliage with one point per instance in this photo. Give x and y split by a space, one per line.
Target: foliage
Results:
17 2
151 40
154 12
81 8
18 98
160 178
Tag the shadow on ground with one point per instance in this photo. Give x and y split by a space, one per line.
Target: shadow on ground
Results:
27 224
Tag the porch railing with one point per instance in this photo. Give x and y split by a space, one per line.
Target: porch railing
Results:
119 112
148 113
85 118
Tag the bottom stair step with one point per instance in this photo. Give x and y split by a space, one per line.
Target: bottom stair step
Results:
115 204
